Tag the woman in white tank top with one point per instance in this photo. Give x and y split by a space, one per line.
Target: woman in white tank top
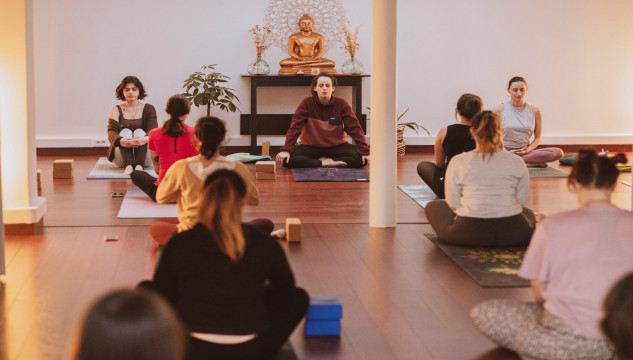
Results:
520 121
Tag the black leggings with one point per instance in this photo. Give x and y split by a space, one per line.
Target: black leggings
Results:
145 182
134 156
480 232
306 156
433 177
284 314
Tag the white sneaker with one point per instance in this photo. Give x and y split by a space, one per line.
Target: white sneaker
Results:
128 170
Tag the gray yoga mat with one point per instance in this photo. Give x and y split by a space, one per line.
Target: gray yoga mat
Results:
547 172
329 174
421 194
104 169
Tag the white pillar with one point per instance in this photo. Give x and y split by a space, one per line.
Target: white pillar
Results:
384 108
21 204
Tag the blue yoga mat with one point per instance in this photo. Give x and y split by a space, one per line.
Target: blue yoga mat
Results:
329 174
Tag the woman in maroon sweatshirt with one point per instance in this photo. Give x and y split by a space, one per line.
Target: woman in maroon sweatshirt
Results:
322 123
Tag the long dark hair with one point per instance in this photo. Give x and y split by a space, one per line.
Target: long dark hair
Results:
594 171
210 131
131 325
220 211
130 80
177 106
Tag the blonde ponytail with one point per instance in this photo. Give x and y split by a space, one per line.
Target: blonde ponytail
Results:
486 127
220 211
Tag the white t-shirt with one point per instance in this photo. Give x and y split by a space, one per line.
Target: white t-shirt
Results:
491 188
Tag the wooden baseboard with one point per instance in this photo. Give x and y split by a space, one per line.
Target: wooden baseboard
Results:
412 149
25 229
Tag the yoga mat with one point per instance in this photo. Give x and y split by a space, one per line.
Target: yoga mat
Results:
104 169
421 194
489 267
247 158
329 174
137 205
547 172
286 352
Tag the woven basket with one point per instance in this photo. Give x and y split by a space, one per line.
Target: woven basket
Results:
401 144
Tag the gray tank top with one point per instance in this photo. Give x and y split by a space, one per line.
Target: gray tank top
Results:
517 125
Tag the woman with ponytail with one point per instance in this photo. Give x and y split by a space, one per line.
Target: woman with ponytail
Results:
573 260
230 283
486 189
185 178
174 141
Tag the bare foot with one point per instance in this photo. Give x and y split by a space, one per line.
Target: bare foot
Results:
138 167
279 234
128 170
327 162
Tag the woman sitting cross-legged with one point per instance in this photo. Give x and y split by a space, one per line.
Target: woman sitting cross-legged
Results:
175 140
230 282
450 141
486 189
521 122
185 178
573 260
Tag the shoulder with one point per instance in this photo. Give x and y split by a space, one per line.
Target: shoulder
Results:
498 108
149 107
535 109
114 112
443 131
156 132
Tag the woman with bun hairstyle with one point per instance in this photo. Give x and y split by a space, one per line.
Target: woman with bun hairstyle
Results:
450 141
573 260
173 141
230 283
184 180
521 122
131 325
486 189
128 126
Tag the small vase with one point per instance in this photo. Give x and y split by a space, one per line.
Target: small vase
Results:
258 67
352 66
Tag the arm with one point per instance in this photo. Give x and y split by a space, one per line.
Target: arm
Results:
281 277
538 128
291 47
352 128
452 186
252 193
154 157
169 189
319 47
114 127
440 157
149 121
299 120
536 290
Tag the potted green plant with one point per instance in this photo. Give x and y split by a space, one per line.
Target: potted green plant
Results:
205 88
401 126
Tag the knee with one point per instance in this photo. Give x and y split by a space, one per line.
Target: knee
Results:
557 153
126 133
136 176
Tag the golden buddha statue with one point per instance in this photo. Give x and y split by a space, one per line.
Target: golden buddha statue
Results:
306 50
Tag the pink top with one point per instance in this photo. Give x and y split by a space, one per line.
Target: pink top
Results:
580 255
170 150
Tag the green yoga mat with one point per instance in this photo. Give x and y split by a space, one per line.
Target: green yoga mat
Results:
489 267
547 172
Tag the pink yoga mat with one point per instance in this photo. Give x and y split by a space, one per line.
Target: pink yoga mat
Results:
137 205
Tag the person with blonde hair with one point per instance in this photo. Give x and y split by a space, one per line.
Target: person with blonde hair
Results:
486 189
573 260
131 325
230 282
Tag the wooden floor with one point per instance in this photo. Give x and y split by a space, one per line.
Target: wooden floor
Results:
402 298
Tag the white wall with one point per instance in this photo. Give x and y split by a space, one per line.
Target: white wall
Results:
576 55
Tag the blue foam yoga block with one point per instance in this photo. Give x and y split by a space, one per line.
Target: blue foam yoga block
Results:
324 308
322 327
